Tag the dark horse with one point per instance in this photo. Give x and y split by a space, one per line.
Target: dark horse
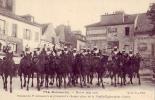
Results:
101 69
114 68
40 69
25 70
8 69
133 67
77 69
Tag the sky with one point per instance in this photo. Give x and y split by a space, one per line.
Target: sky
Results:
77 13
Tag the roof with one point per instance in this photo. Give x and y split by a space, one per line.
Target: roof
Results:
143 23
114 19
9 14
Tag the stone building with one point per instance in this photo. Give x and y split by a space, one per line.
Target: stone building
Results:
48 37
18 31
64 34
78 40
115 29
144 40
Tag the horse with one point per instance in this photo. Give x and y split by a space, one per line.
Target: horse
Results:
133 67
114 68
40 69
25 70
101 69
65 68
52 69
58 70
8 69
89 67
77 69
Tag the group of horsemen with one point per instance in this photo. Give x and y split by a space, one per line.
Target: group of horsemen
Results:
74 64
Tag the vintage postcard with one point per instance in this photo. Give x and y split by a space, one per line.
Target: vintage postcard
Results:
77 49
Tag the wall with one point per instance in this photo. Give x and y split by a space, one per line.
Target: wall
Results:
103 34
20 30
144 45
80 45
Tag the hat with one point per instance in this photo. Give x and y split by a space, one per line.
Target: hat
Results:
65 47
74 49
95 47
115 47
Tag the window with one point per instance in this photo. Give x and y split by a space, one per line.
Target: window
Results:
53 40
2 26
13 46
0 46
36 36
112 30
127 31
14 30
27 34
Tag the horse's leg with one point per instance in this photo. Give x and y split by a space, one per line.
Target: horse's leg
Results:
24 80
81 81
102 81
28 79
21 82
111 77
3 81
6 77
42 80
91 78
131 76
118 76
64 76
98 79
84 79
46 81
10 83
115 79
32 79
124 79
138 76
38 82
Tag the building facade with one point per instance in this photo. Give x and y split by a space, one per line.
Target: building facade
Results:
144 36
64 35
48 37
78 40
113 30
18 31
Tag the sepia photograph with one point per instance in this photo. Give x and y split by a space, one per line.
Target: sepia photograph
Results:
77 49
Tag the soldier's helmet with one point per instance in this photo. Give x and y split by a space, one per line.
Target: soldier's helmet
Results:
88 49
48 49
130 52
95 48
74 49
115 48
123 51
84 49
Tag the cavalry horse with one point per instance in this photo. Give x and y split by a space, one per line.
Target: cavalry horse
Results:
101 69
25 69
7 69
77 69
113 68
40 69
133 67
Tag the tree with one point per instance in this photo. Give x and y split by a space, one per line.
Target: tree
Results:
151 14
